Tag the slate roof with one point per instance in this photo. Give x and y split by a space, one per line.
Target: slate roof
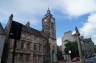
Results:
32 31
1 29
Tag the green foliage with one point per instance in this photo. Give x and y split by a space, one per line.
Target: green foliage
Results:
47 61
73 46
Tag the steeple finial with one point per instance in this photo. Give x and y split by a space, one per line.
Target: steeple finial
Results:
11 17
1 25
48 11
28 24
77 31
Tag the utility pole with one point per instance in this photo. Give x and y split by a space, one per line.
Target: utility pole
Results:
79 46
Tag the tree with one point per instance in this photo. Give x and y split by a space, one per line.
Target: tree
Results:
73 46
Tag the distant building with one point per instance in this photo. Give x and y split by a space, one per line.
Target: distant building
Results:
86 43
34 46
2 39
87 47
68 36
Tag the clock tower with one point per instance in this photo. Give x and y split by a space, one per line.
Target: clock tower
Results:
48 27
48 24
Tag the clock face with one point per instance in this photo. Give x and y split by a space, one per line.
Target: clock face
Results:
52 20
45 20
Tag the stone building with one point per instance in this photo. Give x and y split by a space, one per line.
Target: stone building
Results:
87 47
68 36
2 39
34 46
86 43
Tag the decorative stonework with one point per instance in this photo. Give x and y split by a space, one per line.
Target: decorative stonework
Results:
34 46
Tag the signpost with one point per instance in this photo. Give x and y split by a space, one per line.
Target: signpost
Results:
69 56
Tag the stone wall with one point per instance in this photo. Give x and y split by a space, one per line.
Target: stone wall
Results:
30 49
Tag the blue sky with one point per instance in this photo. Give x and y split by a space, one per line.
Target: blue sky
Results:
68 14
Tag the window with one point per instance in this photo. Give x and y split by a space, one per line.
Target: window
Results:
35 47
18 45
22 45
22 36
21 57
39 47
27 57
28 45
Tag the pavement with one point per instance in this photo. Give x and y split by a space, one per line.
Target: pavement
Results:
91 60
76 62
64 62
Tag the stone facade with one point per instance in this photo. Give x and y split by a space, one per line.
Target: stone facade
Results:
87 47
30 48
34 46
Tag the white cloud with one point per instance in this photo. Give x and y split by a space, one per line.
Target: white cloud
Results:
89 28
78 7
38 7
27 10
23 10
59 41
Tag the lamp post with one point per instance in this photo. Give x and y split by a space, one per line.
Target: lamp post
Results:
69 55
82 60
69 51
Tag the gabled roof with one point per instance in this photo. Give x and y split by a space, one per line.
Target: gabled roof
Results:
31 30
1 28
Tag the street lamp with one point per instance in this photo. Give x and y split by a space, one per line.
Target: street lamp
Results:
69 51
69 55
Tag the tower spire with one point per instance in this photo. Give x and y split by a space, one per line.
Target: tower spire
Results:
11 17
28 24
48 11
1 27
77 31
